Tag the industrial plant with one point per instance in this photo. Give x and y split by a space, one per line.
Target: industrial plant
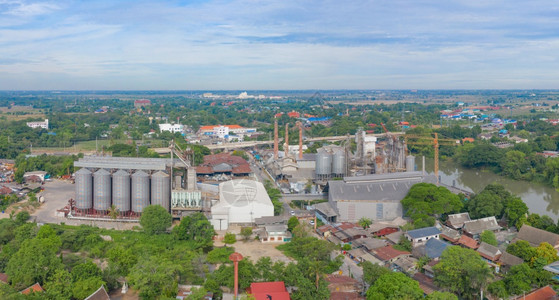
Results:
129 185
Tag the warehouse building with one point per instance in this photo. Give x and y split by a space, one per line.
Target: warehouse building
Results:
377 196
241 201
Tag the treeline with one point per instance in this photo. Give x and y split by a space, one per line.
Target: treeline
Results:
53 165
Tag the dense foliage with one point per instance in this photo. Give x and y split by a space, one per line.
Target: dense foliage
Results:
425 201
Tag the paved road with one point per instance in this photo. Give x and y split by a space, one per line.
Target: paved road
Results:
350 268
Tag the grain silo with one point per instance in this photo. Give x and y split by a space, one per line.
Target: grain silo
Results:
339 164
102 190
140 191
121 190
160 189
84 189
323 165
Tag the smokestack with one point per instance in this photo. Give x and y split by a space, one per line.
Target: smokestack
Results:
236 258
286 148
300 141
276 146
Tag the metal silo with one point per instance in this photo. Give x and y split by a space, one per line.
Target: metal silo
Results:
339 163
323 165
410 163
140 191
102 190
160 189
121 190
84 189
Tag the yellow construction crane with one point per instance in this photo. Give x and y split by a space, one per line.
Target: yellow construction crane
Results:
435 141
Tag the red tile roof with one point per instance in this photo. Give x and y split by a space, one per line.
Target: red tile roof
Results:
335 278
468 242
238 164
388 253
34 288
345 296
261 290
544 293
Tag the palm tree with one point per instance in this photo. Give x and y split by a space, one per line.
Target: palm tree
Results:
113 213
365 222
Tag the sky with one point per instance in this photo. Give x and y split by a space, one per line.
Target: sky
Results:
283 44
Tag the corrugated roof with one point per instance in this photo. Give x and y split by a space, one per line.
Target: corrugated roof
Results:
475 227
457 220
510 260
468 242
536 236
544 293
489 251
434 248
423 232
388 253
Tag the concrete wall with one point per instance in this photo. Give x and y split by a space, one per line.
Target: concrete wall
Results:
352 211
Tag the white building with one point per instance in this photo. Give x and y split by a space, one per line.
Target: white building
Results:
44 125
223 131
241 201
171 127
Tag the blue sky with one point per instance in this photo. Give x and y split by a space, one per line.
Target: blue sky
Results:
283 44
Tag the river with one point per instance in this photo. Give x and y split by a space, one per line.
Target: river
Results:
539 198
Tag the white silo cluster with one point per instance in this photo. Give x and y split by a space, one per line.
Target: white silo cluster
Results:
331 162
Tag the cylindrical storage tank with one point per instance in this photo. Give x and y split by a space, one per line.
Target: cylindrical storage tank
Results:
121 190
323 164
140 191
410 163
84 189
338 163
160 189
102 190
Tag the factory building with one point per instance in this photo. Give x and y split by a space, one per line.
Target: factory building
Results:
132 184
44 125
173 128
241 201
377 196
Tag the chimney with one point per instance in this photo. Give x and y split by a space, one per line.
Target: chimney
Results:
236 258
286 148
300 140
276 147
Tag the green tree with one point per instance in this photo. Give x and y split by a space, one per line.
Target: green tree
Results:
425 200
22 217
518 280
372 272
547 252
59 285
498 289
34 262
155 219
522 249
197 230
394 285
83 288
85 270
155 277
436 295
220 255
489 237
246 233
462 271
230 238
365 222
292 223
275 195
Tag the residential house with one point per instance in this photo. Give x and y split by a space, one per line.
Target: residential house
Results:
385 231
268 290
428 268
422 235
467 242
489 252
475 227
360 255
544 293
456 221
507 260
369 244
449 234
426 283
99 294
350 234
275 233
536 236
388 254
341 283
394 238
433 249
406 264
36 288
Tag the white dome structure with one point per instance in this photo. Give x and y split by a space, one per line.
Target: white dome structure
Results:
240 201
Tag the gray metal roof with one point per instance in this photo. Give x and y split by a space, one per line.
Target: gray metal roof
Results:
385 176
423 232
479 225
386 190
488 249
133 163
435 247
326 209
